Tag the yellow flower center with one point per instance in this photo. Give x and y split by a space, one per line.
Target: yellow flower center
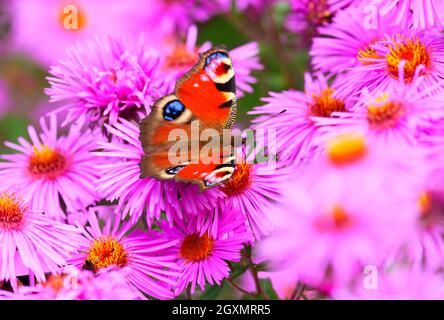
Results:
46 163
414 53
385 114
196 248
346 149
12 212
180 58
425 203
106 251
324 104
239 181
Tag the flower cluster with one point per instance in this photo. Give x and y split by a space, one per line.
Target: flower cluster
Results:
354 190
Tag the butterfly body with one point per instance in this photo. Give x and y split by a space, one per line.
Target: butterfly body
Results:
204 98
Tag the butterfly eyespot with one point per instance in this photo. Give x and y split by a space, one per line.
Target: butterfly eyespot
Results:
174 170
173 110
215 55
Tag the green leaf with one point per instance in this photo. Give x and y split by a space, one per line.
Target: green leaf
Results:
269 290
239 270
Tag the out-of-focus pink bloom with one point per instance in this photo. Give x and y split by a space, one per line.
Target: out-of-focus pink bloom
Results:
145 256
30 242
120 179
338 218
206 242
107 79
75 284
300 118
55 172
179 58
397 283
44 29
307 14
423 14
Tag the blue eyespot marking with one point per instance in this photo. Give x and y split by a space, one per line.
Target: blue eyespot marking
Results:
173 110
215 55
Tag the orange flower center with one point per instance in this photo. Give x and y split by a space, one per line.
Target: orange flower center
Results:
324 104
425 203
12 212
414 53
346 149
180 58
239 181
105 252
338 219
196 248
385 114
55 282
46 163
72 18
367 53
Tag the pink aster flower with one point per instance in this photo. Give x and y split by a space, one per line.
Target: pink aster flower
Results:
107 79
178 58
423 14
145 256
55 172
397 116
30 242
206 242
120 179
44 29
307 116
337 218
405 56
396 284
345 42
75 284
307 14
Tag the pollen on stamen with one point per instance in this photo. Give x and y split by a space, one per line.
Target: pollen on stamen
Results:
324 104
414 53
12 211
105 252
181 58
239 181
46 163
365 55
346 149
196 248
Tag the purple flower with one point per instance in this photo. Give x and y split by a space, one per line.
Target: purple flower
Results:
179 58
46 28
336 48
106 79
404 57
54 172
120 179
337 217
421 14
307 14
145 256
308 115
30 242
206 242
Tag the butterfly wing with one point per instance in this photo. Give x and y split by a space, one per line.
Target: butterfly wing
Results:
205 94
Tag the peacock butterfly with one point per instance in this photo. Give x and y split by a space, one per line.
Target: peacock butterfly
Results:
206 95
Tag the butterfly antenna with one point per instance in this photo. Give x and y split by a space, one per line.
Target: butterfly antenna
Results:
272 117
